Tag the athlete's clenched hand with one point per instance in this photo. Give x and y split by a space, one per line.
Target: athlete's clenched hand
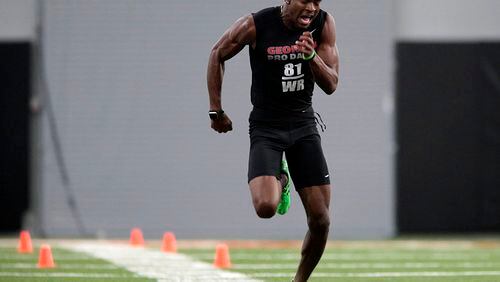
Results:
222 124
306 43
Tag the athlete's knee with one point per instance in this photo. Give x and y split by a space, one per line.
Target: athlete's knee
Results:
319 223
264 209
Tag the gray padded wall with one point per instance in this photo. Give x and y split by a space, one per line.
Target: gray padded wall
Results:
17 20
127 81
447 20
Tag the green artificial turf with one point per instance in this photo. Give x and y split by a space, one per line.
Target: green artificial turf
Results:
70 266
390 261
381 264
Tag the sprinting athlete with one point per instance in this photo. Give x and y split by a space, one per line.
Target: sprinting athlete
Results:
291 48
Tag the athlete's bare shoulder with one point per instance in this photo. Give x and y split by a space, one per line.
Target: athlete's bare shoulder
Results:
235 38
329 33
243 31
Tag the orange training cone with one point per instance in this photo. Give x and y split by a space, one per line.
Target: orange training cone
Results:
25 245
222 259
136 238
45 259
169 244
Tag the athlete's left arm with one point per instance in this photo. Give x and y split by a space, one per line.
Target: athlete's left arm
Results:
325 65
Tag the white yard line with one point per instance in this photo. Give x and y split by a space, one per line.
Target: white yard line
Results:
386 274
155 264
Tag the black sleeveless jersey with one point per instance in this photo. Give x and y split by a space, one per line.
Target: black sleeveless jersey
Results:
282 82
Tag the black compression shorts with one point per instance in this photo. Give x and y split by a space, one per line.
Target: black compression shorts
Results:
302 148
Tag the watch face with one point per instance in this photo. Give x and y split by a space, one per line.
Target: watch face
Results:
213 115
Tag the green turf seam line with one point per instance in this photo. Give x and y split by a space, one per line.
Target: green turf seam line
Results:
386 274
403 265
76 266
68 275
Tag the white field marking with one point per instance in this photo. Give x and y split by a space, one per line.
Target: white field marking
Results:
69 275
358 257
155 264
409 265
76 266
385 274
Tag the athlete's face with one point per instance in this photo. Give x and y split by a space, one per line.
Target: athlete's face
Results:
301 13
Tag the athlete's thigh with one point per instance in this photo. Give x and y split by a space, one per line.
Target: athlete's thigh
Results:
263 168
266 152
307 163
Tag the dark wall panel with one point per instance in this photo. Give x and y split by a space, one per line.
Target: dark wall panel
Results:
14 142
489 83
442 161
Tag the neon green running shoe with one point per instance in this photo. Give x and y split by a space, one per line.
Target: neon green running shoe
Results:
284 204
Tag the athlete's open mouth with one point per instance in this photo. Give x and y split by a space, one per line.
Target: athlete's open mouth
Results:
305 20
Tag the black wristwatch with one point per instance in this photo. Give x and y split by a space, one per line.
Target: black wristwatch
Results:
215 115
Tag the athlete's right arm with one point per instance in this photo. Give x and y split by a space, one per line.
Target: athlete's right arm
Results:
240 34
